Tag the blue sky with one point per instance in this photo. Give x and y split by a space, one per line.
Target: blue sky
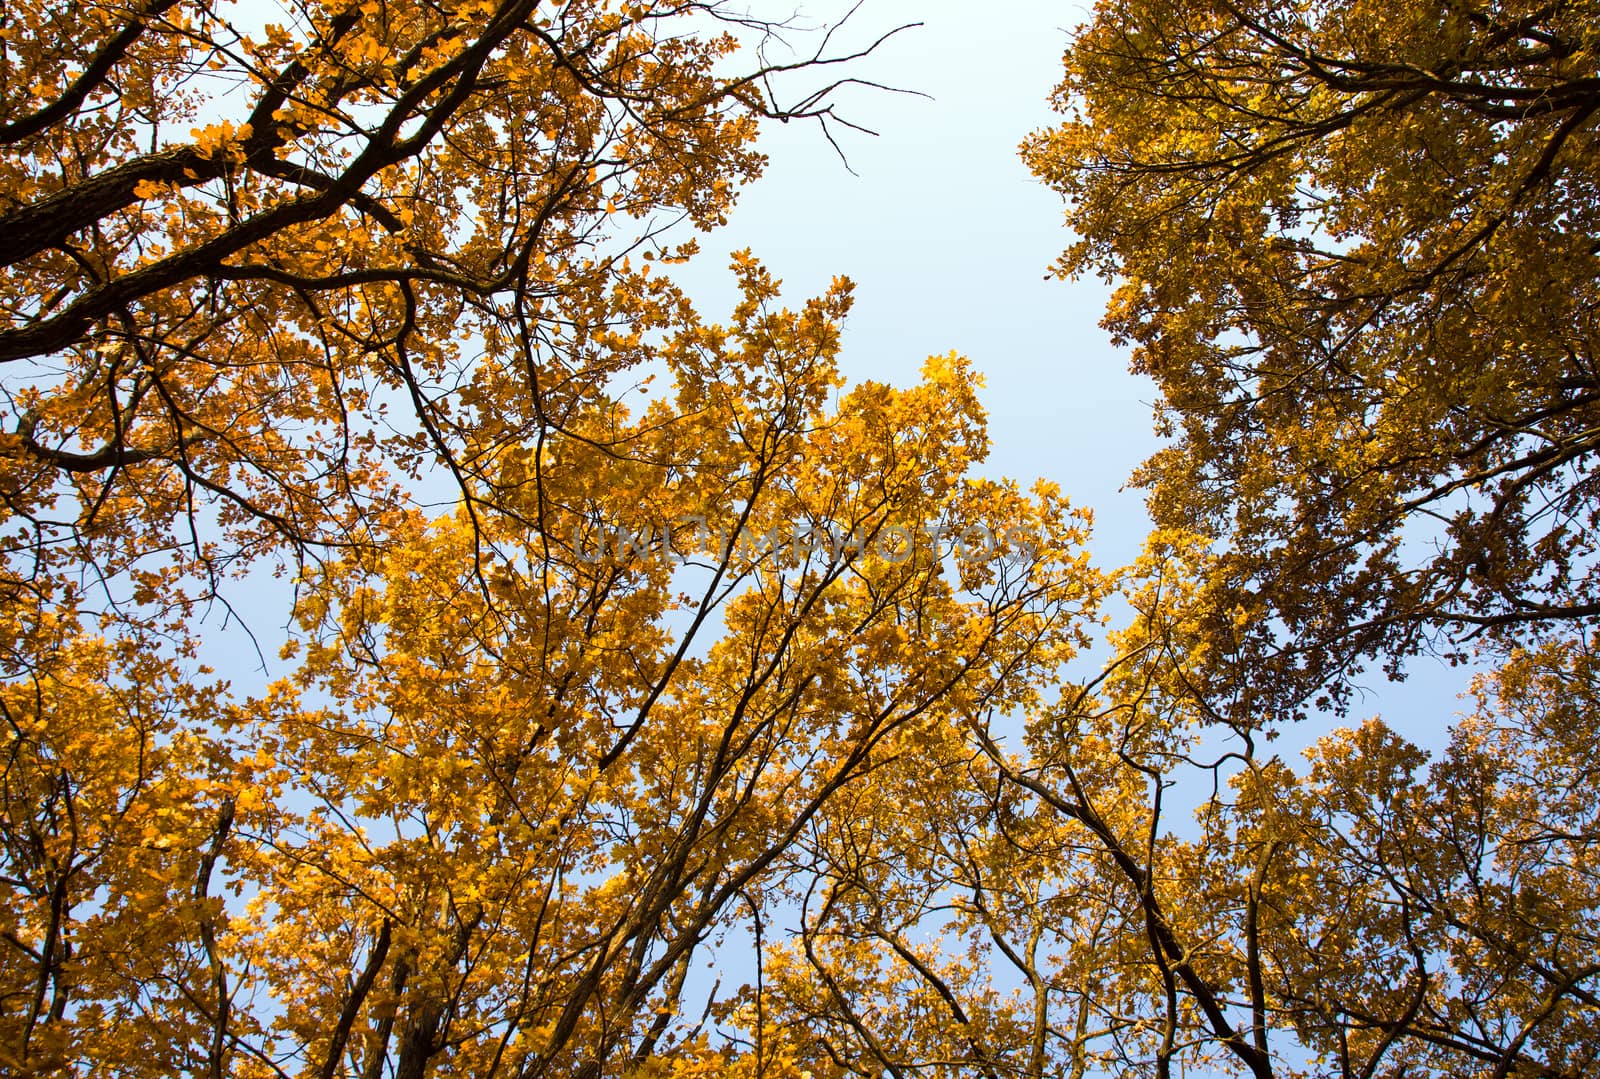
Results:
948 238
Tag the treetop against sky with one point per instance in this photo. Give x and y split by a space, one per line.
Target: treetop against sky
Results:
627 610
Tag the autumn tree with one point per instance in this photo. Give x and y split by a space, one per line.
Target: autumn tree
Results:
257 273
699 652
260 281
536 755
1355 245
527 825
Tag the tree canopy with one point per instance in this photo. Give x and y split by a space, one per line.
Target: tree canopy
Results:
1356 247
657 702
236 254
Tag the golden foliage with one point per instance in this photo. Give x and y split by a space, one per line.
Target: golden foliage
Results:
714 659
1355 246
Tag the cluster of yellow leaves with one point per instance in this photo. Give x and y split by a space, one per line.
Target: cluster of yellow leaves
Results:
224 308
115 806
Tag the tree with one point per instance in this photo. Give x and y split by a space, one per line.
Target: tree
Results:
1356 247
537 754
258 277
708 650
491 828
